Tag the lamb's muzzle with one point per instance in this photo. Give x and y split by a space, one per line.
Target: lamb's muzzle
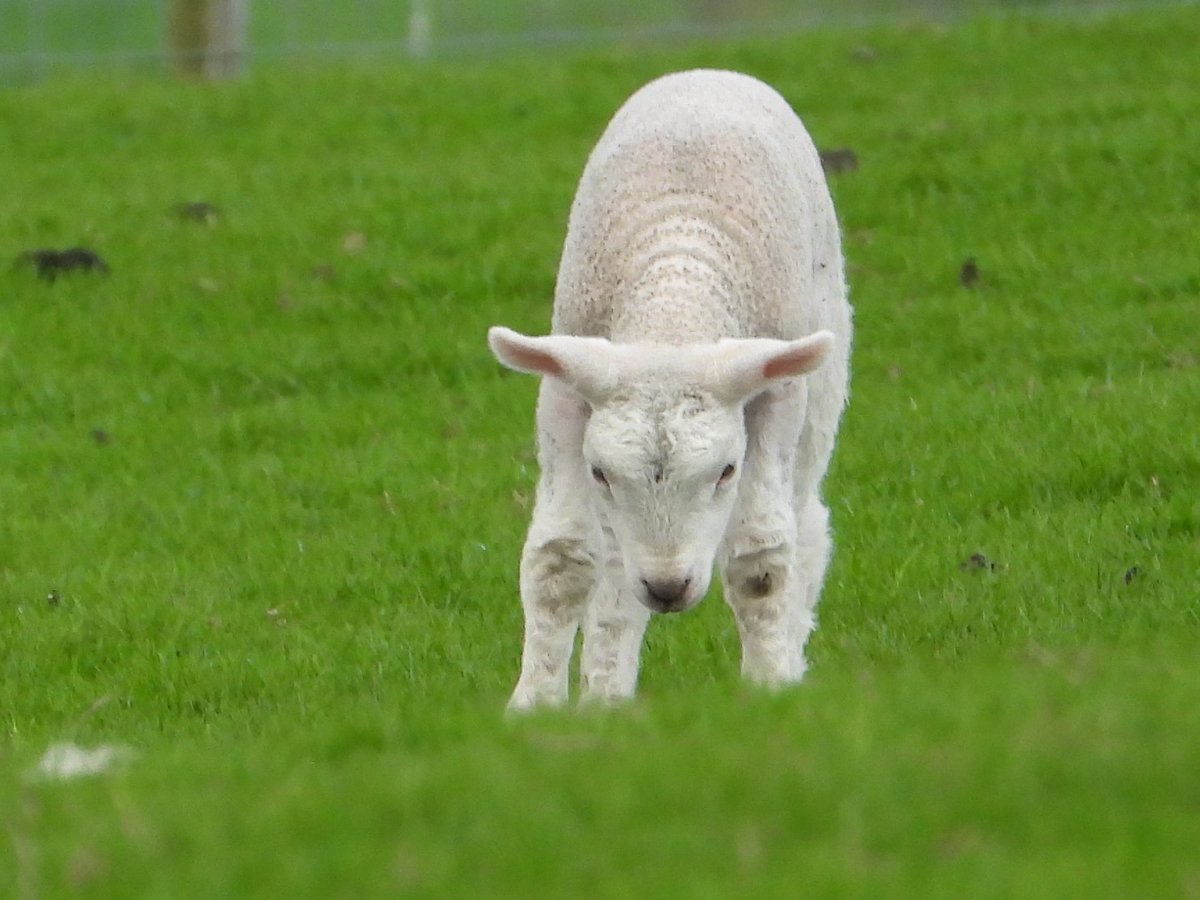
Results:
665 595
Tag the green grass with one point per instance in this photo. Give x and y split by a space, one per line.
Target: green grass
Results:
287 565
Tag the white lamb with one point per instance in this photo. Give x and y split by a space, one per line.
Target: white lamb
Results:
700 278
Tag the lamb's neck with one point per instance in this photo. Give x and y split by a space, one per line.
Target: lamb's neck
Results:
681 286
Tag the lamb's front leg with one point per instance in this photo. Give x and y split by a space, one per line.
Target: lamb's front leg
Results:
773 577
558 565
613 627
764 585
557 575
764 589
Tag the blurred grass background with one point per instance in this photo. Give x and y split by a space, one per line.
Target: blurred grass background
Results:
38 37
263 488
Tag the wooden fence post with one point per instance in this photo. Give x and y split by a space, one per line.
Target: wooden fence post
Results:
207 38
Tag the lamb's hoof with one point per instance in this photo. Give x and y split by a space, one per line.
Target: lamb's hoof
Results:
519 704
603 700
525 701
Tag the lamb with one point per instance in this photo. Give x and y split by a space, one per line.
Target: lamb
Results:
692 387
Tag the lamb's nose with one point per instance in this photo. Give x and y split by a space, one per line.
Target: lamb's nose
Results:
666 595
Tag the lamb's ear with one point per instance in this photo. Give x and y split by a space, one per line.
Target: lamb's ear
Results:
584 363
749 365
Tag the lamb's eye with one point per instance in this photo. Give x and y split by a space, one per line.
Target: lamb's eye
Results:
598 474
726 474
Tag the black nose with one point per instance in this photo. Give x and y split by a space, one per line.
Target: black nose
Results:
666 595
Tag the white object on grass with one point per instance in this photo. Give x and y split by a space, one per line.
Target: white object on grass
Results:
67 760
692 388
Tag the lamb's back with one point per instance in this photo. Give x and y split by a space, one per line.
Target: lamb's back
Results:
702 213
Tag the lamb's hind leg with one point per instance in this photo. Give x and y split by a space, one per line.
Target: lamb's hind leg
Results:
813 548
613 627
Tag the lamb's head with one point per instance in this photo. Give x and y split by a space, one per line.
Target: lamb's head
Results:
664 442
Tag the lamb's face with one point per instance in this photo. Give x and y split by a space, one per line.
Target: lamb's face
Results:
664 479
664 441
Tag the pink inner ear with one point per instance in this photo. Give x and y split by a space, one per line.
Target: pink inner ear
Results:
794 362
534 360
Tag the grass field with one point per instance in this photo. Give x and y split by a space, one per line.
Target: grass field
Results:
278 488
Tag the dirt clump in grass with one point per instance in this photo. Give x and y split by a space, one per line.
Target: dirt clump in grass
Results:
52 263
